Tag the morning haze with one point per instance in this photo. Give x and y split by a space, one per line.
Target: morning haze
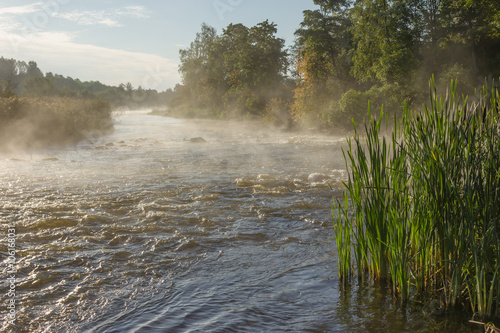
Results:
249 166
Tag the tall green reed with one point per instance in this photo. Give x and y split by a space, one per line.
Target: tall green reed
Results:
421 206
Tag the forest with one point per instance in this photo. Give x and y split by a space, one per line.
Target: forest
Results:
346 54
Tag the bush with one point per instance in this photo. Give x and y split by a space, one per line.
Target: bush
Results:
353 105
38 122
278 112
457 72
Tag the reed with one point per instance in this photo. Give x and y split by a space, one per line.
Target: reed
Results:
422 206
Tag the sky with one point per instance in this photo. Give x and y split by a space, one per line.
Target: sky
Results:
124 41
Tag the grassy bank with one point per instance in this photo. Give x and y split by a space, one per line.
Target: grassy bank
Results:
40 122
421 208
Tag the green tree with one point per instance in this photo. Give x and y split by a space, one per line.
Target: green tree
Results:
33 71
323 60
39 86
7 68
326 33
7 89
240 70
201 69
350 52
255 64
476 25
385 34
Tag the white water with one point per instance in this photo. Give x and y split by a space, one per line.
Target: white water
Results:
143 231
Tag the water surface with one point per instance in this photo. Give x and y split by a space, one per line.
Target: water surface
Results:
144 231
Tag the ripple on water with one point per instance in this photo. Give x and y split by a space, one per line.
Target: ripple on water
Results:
151 233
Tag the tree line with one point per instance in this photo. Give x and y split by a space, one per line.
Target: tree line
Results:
40 110
18 78
346 54
235 73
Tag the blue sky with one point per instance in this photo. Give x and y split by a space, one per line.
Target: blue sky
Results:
127 41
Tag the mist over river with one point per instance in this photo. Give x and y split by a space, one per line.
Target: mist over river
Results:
144 231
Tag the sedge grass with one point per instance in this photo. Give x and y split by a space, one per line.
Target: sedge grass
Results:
421 209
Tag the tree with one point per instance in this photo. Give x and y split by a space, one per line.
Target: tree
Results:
242 69
476 24
9 89
33 71
7 68
322 54
201 68
129 89
39 86
326 33
385 34
255 63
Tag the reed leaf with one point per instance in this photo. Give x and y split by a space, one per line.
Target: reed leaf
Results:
425 204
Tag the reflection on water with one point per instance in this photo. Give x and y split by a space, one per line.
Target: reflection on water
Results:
144 231
364 307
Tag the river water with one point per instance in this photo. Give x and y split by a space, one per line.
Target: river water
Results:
144 231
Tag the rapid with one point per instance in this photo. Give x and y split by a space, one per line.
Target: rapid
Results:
145 231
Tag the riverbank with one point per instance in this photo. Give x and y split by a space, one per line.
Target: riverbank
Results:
27 123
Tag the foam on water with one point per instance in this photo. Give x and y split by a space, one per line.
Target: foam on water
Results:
143 231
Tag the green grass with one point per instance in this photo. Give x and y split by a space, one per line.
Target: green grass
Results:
422 207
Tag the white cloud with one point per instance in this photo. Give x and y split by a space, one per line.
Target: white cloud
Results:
58 52
133 11
20 10
108 17
88 18
9 16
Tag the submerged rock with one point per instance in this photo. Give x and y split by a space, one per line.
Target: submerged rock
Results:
197 140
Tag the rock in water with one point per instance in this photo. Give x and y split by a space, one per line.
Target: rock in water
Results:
197 140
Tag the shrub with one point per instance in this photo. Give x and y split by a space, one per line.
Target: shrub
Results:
353 104
37 122
459 73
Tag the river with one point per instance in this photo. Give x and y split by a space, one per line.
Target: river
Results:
144 231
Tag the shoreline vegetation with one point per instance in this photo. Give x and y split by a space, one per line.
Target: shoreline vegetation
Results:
30 123
42 110
346 54
421 208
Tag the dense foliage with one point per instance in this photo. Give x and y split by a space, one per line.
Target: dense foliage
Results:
237 73
346 54
38 110
384 51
